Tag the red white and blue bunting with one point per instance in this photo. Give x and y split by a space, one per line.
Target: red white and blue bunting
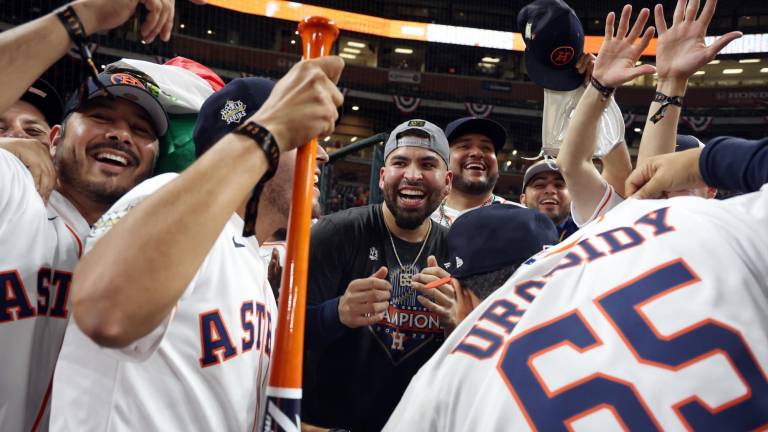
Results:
406 104
698 123
478 110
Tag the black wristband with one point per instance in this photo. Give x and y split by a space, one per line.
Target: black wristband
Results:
268 145
665 102
72 24
606 92
76 31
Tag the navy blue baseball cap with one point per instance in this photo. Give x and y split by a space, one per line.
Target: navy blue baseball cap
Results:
483 126
126 85
228 108
497 236
687 142
46 99
554 42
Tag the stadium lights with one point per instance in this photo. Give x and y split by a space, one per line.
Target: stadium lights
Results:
326 139
351 50
514 152
353 139
210 32
348 56
293 42
356 44
764 70
509 163
749 61
355 108
403 50
491 59
732 71
699 73
638 130
714 62
181 25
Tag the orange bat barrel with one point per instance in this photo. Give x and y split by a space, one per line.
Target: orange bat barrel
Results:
283 408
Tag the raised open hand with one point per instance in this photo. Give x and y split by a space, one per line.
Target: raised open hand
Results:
681 50
616 59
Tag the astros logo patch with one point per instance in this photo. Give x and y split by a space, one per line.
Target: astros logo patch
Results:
233 111
562 55
126 79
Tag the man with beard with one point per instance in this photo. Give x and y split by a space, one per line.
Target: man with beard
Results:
105 146
545 190
371 323
173 314
474 142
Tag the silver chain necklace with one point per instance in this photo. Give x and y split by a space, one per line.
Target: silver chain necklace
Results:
402 267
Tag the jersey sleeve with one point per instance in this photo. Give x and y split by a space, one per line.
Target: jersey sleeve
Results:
735 163
143 347
16 185
609 200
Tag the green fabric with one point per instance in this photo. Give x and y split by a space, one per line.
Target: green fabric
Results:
177 147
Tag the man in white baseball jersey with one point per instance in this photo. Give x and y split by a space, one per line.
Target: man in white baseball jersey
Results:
680 53
673 342
104 147
101 149
475 143
173 314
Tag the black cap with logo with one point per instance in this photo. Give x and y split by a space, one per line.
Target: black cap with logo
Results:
554 42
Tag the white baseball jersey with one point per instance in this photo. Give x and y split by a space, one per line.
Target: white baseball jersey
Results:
204 368
40 247
445 215
608 202
654 317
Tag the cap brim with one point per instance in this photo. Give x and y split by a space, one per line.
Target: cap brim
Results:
536 170
553 79
494 130
143 99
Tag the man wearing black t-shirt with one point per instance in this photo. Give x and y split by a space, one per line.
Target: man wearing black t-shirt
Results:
369 328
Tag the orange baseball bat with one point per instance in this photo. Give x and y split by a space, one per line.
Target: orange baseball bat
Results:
283 410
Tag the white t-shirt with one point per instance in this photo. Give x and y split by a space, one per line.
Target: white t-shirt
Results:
41 245
204 368
445 215
609 201
654 317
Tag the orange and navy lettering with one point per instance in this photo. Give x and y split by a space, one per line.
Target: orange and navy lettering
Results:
14 302
216 342
485 338
52 295
623 307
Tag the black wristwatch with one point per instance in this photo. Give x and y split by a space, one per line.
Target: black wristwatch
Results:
263 137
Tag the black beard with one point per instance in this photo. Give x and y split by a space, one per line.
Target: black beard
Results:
411 219
99 193
479 187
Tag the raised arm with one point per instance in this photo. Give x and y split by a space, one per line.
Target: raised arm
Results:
614 66
680 52
47 38
134 275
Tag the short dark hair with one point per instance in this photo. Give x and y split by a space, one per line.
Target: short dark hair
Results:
484 284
